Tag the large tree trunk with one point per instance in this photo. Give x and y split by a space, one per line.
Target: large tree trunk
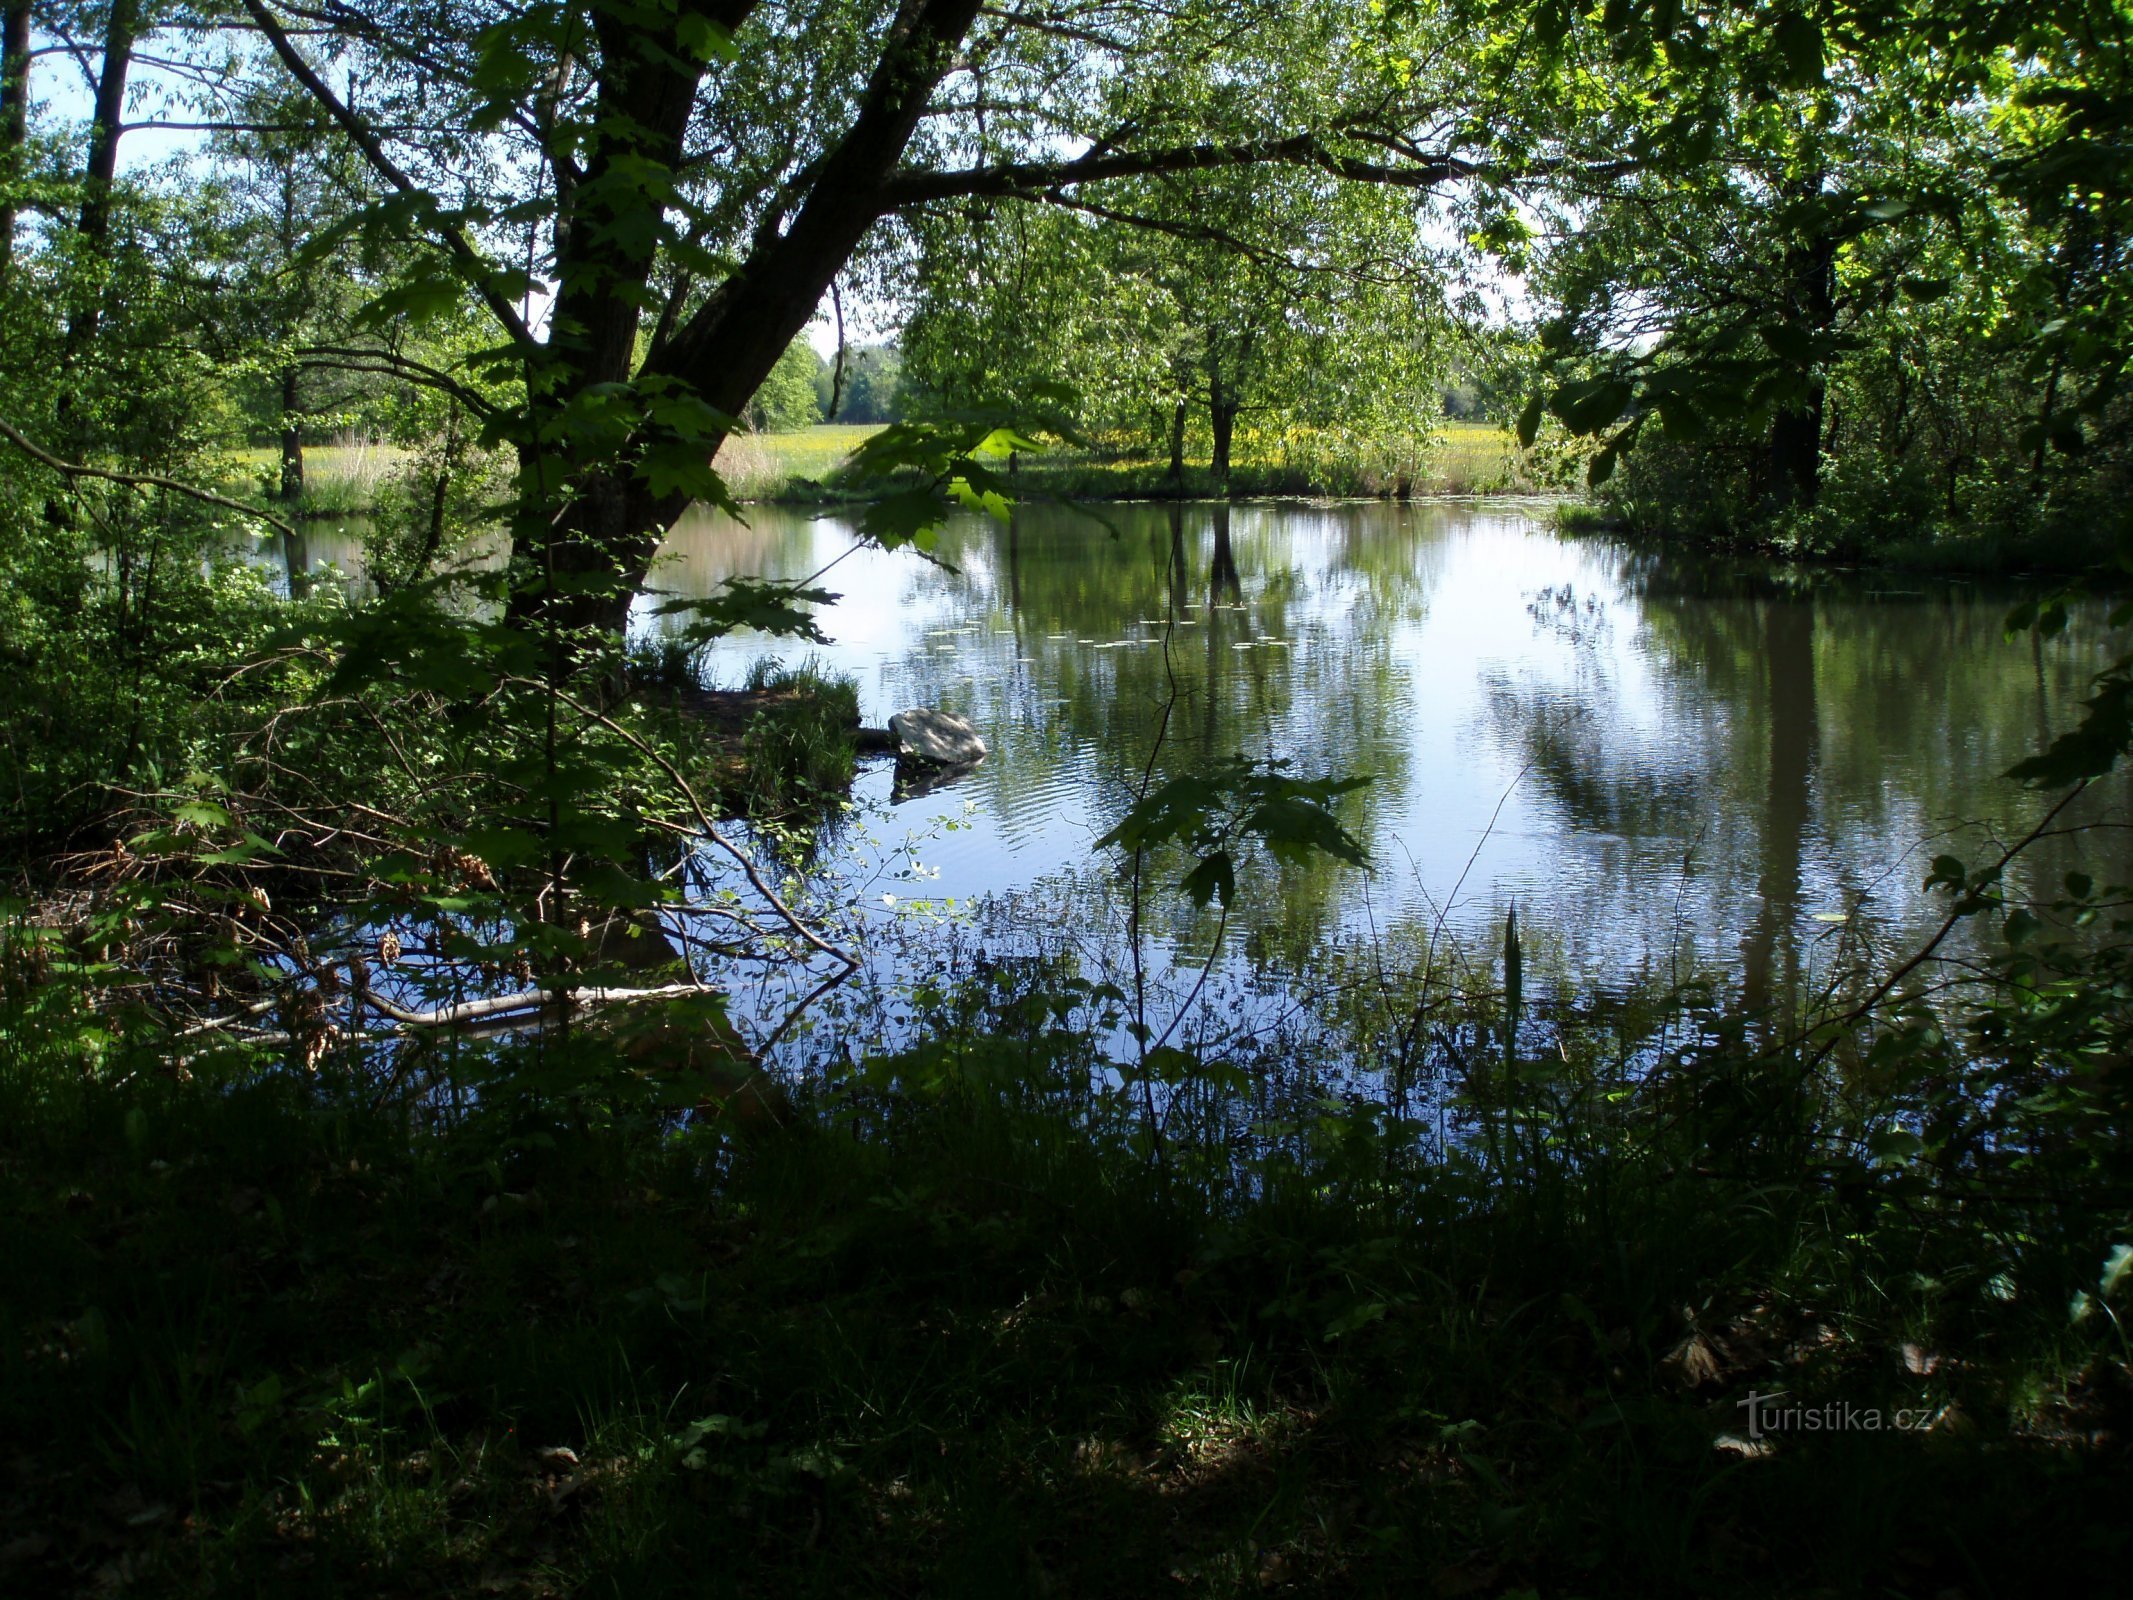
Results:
1222 412
101 168
14 116
586 561
1794 456
1177 443
1795 453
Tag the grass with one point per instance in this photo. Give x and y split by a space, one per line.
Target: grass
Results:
778 747
798 753
765 466
292 1336
344 479
1465 458
340 479
494 1318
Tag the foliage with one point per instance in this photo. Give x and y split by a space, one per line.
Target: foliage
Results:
787 401
1212 813
872 393
399 1194
1296 302
1833 244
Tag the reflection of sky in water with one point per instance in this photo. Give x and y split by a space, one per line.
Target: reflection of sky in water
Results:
1626 750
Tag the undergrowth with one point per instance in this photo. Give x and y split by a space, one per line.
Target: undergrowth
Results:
959 1328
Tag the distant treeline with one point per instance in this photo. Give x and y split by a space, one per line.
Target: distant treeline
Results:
806 388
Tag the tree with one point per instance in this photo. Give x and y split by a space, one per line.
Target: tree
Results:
291 183
14 117
1243 291
717 168
786 403
1803 179
872 386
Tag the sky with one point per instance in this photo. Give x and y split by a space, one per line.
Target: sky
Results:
62 98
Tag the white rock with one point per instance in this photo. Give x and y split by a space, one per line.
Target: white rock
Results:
943 739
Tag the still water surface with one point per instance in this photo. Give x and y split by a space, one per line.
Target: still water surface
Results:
1663 764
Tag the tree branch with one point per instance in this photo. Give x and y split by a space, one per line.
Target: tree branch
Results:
396 365
1030 179
72 469
366 140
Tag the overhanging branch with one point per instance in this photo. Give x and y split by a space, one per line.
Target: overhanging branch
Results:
146 480
1032 179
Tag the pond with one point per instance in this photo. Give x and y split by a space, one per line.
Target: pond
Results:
1664 764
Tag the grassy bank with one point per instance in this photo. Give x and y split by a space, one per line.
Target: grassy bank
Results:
342 479
774 747
347 478
472 1335
1466 458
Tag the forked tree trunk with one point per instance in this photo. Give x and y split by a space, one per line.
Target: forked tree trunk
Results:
584 564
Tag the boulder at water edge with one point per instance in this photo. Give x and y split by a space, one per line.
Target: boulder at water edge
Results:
937 737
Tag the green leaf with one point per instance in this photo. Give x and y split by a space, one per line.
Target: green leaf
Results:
1551 22
1529 421
2095 745
1680 419
1799 45
1215 878
766 607
1588 406
905 517
2117 1266
703 38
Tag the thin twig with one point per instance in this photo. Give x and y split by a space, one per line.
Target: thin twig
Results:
1964 908
786 914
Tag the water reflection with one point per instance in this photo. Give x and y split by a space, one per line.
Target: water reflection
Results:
1662 762
319 550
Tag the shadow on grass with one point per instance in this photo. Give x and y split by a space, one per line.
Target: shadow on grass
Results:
270 1340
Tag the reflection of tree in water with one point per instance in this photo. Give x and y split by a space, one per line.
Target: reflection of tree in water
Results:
296 562
1571 742
1822 728
1797 735
1738 662
1789 660
1567 748
1222 580
1215 628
